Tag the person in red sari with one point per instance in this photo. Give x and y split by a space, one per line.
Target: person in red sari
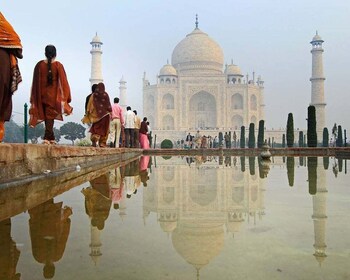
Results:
50 95
10 77
144 143
97 113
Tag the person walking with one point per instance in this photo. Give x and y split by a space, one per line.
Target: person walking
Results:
117 120
97 114
137 130
50 94
129 127
10 76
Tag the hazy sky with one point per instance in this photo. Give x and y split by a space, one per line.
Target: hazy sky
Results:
269 37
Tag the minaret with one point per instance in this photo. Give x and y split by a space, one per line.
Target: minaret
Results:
317 84
96 61
95 244
319 216
122 93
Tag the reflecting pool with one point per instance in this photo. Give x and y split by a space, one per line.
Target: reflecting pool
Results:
189 218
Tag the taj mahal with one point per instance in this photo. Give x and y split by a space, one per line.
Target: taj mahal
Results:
196 91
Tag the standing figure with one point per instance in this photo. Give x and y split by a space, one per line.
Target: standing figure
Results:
10 77
198 139
117 120
97 114
129 127
50 95
143 134
137 130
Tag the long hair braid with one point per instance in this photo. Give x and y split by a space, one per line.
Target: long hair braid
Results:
50 53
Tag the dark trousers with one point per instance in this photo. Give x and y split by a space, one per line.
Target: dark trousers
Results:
129 137
49 135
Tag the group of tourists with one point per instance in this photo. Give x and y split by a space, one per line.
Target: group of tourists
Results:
199 141
50 99
110 127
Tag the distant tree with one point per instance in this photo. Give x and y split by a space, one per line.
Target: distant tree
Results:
13 133
290 170
242 164
261 133
251 139
301 139
242 141
166 144
72 131
283 140
325 142
325 162
35 132
57 133
345 140
312 174
290 131
340 137
311 127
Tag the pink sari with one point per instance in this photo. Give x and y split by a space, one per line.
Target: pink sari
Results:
144 141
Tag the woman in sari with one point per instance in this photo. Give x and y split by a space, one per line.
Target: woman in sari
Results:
97 113
50 95
144 143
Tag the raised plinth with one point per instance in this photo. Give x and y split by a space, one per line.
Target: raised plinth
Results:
19 160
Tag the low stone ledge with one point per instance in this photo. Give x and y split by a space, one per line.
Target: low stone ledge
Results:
18 160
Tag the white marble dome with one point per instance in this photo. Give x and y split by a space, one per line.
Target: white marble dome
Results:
197 51
168 70
96 39
233 69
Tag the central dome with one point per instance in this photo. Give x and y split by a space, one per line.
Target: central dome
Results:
198 52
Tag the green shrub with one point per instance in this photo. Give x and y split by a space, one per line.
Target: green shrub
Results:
166 144
290 131
311 127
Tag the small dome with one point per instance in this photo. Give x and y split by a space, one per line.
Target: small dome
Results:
96 39
317 38
168 226
168 70
197 51
233 69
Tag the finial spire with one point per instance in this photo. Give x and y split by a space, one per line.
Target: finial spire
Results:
196 21
316 32
231 61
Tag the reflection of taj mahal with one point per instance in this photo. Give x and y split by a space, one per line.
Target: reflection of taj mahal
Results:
193 92
197 205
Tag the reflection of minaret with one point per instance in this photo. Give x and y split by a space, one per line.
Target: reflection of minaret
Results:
319 215
95 244
96 61
122 93
317 84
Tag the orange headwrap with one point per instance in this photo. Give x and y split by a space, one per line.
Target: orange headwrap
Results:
8 36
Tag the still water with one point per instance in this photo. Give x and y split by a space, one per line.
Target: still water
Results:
189 218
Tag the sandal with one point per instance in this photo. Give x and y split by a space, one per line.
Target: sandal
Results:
53 142
46 142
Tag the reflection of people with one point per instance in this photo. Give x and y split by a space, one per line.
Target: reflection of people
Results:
144 161
10 77
50 95
49 225
97 201
97 114
9 254
116 187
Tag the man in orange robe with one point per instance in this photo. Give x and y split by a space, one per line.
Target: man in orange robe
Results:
10 77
